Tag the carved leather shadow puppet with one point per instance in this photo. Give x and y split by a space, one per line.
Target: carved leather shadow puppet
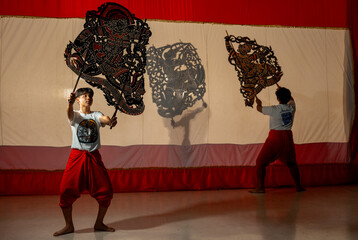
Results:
177 78
110 54
256 66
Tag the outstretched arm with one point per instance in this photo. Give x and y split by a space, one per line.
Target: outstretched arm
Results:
105 120
228 45
71 101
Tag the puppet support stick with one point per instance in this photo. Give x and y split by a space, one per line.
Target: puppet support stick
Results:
114 114
229 35
79 76
78 79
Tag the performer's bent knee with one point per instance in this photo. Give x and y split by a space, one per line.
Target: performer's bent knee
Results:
66 200
104 202
66 203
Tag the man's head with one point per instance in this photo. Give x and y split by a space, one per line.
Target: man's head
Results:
82 91
84 96
283 95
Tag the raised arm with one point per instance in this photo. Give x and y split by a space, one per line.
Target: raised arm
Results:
71 101
228 45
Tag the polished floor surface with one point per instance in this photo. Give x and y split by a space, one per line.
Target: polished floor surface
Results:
319 213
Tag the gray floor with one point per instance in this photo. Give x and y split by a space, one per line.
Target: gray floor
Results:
319 213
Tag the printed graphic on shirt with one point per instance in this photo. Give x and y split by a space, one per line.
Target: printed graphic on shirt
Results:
286 118
87 131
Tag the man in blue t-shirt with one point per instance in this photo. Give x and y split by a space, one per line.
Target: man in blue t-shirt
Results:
279 143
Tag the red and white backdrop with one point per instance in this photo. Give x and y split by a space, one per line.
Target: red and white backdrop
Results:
215 147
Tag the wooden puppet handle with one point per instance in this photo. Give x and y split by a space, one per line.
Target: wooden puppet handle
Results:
114 114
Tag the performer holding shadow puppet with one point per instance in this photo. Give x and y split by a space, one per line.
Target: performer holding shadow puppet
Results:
279 143
85 169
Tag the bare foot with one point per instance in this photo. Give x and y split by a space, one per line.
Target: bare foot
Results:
65 230
257 191
102 227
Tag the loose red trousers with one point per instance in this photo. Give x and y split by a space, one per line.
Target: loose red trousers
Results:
278 145
85 171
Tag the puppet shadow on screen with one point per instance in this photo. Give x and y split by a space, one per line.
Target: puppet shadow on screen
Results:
177 80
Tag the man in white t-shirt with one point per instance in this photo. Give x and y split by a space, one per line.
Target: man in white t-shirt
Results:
85 170
279 143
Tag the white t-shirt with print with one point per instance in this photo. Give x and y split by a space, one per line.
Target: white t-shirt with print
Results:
85 131
281 116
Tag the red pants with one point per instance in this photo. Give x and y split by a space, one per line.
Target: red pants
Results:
85 171
278 145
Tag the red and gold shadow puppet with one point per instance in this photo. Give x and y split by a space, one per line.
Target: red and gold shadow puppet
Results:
256 66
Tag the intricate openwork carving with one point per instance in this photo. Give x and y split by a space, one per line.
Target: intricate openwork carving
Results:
256 66
110 54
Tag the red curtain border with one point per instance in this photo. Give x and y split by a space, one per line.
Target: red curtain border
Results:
322 13
174 179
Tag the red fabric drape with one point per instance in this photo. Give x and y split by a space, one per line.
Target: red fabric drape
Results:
320 13
164 179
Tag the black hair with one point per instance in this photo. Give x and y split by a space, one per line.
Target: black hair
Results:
283 95
82 91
